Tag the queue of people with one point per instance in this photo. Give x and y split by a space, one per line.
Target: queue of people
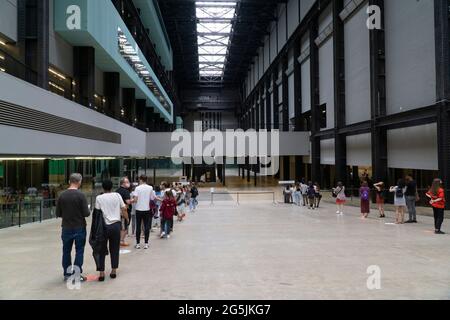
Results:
303 194
405 194
405 198
114 212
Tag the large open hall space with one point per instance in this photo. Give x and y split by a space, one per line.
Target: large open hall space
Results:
253 251
208 159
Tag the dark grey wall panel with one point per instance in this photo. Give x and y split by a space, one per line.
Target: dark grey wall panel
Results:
357 68
410 55
18 116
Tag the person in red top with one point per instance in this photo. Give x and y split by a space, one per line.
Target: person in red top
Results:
168 207
437 201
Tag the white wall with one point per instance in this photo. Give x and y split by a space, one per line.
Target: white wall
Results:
357 68
410 55
413 148
359 150
8 19
31 142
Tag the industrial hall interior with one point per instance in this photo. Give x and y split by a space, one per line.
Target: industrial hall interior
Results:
224 149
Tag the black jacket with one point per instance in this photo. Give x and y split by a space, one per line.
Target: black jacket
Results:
97 238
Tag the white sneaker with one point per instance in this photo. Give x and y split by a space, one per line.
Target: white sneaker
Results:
163 235
341 213
168 236
146 246
138 246
337 212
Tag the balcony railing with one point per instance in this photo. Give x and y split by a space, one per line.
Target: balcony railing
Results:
17 212
131 16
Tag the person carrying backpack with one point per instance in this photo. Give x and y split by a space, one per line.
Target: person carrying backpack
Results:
311 192
364 193
399 200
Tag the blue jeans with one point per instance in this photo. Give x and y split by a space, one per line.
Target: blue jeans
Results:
69 237
297 196
193 204
166 226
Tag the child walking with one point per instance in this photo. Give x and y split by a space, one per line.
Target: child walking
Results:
168 207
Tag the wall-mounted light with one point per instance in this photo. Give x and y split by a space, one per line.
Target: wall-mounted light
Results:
2 70
22 159
56 86
56 73
3 43
2 57
95 96
74 83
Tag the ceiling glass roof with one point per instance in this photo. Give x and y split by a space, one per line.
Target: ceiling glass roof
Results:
214 28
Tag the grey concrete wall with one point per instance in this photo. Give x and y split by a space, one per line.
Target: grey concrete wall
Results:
17 141
410 55
8 19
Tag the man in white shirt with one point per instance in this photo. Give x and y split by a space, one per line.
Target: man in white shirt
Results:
143 194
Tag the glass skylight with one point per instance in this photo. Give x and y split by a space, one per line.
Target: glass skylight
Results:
214 27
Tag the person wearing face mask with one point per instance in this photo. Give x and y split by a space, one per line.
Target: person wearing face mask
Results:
124 191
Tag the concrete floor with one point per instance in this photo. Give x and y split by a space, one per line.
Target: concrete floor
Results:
255 251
